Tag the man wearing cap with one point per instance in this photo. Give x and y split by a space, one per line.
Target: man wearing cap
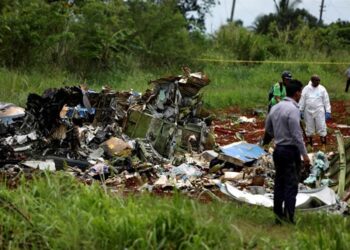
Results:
315 109
279 89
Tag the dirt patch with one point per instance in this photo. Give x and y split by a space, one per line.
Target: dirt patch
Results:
228 130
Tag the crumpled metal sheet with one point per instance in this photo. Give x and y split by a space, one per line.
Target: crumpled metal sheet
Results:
186 170
42 165
189 85
176 98
316 197
240 153
9 111
320 197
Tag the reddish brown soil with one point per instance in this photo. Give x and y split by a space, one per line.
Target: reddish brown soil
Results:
227 131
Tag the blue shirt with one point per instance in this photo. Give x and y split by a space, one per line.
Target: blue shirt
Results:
283 123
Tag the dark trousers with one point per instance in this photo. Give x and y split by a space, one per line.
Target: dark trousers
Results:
347 85
287 164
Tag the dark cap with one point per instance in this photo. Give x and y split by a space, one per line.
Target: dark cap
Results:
286 75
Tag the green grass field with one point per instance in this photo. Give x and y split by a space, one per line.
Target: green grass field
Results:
59 213
231 84
56 212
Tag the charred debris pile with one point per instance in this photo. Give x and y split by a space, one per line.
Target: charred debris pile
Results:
113 135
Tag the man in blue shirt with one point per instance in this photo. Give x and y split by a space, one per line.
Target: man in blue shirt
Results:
283 124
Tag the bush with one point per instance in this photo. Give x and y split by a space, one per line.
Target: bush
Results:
240 43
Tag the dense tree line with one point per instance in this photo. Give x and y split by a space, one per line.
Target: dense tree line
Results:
93 35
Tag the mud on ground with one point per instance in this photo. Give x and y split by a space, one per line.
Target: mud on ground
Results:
227 130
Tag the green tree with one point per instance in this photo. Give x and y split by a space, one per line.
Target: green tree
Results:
160 32
79 35
286 17
283 7
101 32
194 11
342 29
28 29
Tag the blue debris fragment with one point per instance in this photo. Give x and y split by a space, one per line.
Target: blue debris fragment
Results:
243 152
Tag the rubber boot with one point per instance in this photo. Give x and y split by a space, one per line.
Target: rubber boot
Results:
324 143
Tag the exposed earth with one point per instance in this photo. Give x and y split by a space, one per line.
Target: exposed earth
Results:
227 128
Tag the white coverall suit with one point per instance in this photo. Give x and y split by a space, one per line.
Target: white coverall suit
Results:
314 103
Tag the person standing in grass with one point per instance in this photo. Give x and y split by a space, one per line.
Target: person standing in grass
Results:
315 108
347 73
278 91
283 124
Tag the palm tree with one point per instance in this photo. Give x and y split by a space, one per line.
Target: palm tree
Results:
287 16
284 6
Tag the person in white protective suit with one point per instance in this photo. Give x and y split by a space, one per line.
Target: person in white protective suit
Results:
315 109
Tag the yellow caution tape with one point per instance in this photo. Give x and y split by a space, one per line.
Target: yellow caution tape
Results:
270 62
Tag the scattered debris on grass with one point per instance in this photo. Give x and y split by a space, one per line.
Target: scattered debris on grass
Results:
156 141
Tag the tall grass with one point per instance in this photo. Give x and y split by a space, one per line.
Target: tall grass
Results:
15 85
231 84
248 86
63 214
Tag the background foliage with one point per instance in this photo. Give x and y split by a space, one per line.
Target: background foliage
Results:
126 43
